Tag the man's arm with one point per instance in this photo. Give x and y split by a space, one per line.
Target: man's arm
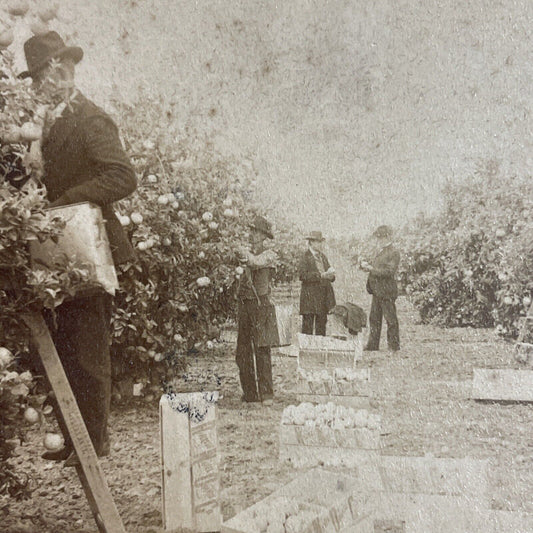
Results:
114 175
266 259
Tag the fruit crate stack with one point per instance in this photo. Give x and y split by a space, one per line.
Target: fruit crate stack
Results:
329 434
316 501
344 386
319 352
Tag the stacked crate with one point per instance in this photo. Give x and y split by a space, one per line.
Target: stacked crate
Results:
342 386
327 428
328 434
319 352
327 371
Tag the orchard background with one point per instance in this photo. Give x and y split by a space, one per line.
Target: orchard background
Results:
332 115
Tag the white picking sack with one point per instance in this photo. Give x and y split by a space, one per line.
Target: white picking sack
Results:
84 240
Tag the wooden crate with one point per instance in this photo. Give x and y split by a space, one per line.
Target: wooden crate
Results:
464 477
284 315
323 445
351 438
427 494
316 351
314 387
329 496
190 462
503 385
462 516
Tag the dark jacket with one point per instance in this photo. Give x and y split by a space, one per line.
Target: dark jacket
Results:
317 296
254 295
382 279
84 161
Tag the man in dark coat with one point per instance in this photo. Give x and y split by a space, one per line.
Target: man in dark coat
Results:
316 296
381 284
256 316
84 161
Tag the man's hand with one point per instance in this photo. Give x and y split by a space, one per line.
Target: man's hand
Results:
329 274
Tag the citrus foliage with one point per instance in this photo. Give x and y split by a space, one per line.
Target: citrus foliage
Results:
473 264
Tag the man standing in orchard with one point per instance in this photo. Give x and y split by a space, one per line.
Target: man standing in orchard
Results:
256 316
381 284
317 298
83 161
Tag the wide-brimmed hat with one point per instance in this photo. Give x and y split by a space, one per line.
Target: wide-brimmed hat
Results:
263 225
41 49
383 232
315 236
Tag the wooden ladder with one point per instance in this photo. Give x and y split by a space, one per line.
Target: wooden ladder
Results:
523 349
91 475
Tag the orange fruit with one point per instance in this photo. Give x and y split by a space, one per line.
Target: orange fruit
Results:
6 38
53 441
31 415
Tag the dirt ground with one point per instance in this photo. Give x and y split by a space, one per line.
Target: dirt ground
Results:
422 394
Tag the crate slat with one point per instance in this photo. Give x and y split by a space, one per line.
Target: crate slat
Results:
189 464
503 384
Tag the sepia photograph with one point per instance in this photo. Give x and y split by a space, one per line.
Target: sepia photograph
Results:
265 266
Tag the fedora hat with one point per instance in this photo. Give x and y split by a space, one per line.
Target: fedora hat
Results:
383 232
315 236
41 49
263 225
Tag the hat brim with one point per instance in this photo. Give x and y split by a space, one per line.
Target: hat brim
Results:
68 52
310 238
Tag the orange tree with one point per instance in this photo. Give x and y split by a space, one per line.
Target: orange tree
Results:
472 265
186 220
22 220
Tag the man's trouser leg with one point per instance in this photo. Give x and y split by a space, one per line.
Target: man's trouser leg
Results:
264 372
82 341
308 321
320 324
245 352
393 328
375 318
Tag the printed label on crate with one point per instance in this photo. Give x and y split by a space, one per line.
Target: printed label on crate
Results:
205 491
203 439
205 468
190 462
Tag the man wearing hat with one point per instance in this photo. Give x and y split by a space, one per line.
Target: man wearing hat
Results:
381 284
84 161
317 297
256 316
